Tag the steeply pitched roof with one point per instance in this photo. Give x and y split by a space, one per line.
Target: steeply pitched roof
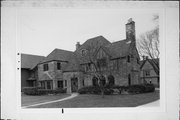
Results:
28 61
119 48
91 44
73 64
58 54
94 42
153 62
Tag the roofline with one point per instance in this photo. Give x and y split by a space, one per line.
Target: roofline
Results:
51 61
32 55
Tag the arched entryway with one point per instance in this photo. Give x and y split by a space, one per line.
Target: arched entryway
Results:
102 80
95 81
111 80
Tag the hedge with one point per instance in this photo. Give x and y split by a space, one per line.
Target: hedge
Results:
90 90
142 88
40 91
108 90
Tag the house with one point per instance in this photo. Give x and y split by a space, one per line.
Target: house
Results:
118 63
150 71
29 69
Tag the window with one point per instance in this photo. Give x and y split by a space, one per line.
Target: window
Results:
147 72
128 58
129 79
60 84
49 84
45 67
83 82
42 84
83 52
95 81
111 80
101 62
58 65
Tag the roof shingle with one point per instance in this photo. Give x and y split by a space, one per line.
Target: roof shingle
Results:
58 54
29 61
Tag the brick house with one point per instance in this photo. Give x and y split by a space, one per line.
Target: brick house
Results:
150 71
29 69
73 70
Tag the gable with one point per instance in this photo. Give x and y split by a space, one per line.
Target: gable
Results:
101 53
146 65
119 48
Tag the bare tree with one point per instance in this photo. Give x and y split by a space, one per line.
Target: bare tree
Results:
148 43
95 66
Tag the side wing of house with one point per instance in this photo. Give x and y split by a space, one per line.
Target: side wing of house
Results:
148 74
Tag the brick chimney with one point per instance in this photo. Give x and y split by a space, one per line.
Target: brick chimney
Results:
130 31
77 45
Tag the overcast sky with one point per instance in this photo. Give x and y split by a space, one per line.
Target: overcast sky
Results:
42 30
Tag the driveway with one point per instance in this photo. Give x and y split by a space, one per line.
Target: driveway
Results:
53 101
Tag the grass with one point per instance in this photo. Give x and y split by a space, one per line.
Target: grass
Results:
89 101
30 100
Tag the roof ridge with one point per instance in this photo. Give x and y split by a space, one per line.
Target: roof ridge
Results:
119 41
32 55
63 50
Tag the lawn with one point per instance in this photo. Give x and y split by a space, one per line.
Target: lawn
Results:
30 100
84 101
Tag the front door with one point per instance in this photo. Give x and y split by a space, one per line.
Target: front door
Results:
74 84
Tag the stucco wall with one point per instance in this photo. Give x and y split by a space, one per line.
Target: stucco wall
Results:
25 74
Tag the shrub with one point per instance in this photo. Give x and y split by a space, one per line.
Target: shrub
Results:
38 91
31 91
149 88
143 88
108 91
90 90
136 89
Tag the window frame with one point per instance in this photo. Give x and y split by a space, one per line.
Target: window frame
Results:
58 65
45 67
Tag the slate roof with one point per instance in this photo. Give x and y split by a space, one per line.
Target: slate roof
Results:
153 62
94 43
73 64
74 59
119 48
58 54
29 61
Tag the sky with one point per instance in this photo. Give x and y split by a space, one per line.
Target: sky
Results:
41 30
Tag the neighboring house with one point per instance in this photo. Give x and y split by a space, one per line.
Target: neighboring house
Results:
118 63
29 69
150 71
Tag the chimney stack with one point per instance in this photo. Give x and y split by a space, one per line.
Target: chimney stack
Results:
130 31
77 45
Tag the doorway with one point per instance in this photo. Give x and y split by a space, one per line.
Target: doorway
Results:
74 84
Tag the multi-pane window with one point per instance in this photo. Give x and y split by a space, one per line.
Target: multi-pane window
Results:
45 67
58 65
101 62
147 72
60 84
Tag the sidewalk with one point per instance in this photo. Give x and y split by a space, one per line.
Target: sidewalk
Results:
67 98
152 104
